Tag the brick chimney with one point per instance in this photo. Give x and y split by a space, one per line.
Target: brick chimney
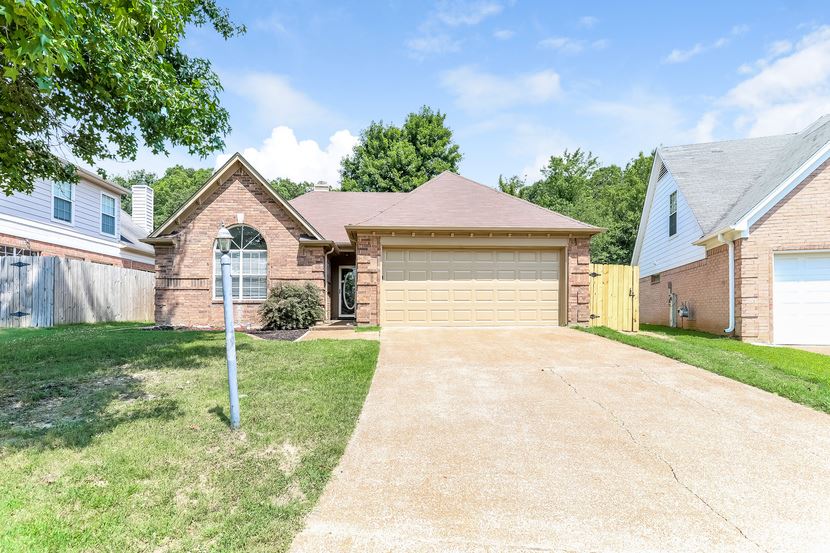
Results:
322 186
142 214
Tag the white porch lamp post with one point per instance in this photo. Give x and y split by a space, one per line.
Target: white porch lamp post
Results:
223 240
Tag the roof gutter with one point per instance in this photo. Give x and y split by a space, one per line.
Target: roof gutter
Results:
588 230
730 244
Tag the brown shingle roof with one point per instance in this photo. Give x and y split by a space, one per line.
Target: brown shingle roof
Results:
448 201
330 212
452 201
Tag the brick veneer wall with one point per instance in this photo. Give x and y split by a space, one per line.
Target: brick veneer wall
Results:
184 271
368 279
55 250
579 259
703 284
801 221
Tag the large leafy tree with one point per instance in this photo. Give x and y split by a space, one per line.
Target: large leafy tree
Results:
174 188
398 159
575 184
91 78
290 189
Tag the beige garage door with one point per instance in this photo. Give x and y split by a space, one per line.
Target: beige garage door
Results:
469 287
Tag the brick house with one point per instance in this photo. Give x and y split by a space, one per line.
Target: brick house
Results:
735 238
451 252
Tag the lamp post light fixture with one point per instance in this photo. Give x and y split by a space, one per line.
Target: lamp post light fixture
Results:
223 241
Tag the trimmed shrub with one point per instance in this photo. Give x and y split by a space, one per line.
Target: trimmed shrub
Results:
292 306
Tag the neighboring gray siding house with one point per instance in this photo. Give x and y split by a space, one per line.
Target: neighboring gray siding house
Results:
82 220
738 234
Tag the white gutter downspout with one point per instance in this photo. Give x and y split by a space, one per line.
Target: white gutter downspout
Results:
731 248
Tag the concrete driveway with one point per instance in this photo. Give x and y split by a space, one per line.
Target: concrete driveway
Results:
556 440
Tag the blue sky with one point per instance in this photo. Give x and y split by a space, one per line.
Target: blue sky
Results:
519 80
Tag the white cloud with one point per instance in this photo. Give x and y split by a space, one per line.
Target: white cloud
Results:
704 130
788 93
433 36
276 102
478 91
641 120
282 155
427 44
569 45
562 44
273 23
774 50
679 55
780 47
503 34
588 21
458 12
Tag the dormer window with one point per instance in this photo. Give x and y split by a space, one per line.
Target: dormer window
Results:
673 213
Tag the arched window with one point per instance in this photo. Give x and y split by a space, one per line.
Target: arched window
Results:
249 265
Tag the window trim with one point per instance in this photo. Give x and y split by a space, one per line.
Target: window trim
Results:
73 194
238 298
101 215
673 196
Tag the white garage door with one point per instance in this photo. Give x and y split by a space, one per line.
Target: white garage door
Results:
469 287
801 298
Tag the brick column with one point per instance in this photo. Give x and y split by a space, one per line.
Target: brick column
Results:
579 258
368 279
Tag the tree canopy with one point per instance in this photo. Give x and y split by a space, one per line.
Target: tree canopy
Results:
290 189
89 77
398 159
577 185
171 191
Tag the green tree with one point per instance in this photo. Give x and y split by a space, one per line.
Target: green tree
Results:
576 185
513 185
133 178
623 206
91 77
398 159
566 184
174 188
290 189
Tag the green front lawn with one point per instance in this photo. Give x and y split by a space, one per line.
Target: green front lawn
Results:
116 439
798 375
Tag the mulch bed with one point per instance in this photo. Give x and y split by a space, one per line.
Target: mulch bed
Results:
289 335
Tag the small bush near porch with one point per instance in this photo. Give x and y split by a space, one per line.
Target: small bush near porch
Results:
116 439
797 375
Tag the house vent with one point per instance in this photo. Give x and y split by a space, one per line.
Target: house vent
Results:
663 171
322 186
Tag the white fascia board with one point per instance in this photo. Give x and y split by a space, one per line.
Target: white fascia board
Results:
652 186
215 179
68 238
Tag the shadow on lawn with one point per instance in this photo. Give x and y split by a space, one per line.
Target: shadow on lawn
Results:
49 401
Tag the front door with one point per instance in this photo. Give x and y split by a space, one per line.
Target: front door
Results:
347 291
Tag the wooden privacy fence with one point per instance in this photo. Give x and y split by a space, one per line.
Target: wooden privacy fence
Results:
47 291
615 296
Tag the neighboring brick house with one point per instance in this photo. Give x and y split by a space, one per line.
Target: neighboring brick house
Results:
80 220
451 252
736 235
